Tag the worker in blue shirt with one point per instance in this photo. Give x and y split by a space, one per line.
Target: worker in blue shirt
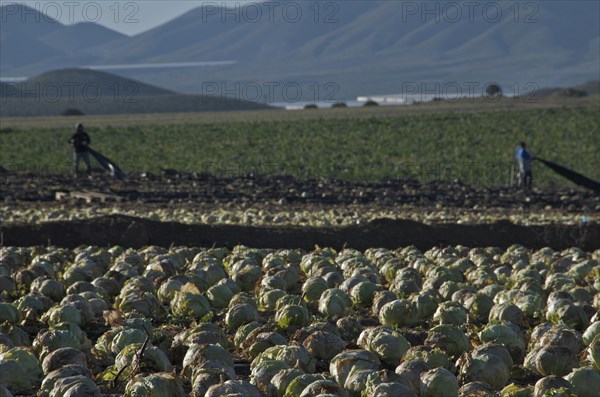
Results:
524 159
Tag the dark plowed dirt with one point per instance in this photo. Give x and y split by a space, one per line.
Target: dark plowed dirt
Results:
134 232
172 187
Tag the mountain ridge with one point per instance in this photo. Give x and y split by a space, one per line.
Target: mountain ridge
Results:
95 92
369 40
29 38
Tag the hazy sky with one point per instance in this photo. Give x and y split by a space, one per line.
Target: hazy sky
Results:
129 17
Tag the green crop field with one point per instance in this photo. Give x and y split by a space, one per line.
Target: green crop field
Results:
473 145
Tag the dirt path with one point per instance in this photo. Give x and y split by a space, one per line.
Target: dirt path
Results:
135 232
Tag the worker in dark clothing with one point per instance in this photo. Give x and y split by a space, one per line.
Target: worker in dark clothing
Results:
80 142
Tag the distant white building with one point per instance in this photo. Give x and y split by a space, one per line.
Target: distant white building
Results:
395 99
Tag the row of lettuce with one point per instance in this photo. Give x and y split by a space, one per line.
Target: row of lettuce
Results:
173 321
279 215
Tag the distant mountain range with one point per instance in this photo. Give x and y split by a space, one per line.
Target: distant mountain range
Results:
91 83
90 92
33 42
350 48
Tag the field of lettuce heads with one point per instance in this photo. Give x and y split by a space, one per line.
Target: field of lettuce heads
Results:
170 318
452 321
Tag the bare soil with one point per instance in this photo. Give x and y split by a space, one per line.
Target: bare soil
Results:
175 189
135 232
171 187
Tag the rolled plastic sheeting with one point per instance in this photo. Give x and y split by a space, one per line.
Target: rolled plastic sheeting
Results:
571 175
107 164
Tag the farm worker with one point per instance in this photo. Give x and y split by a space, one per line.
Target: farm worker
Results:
524 158
80 142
